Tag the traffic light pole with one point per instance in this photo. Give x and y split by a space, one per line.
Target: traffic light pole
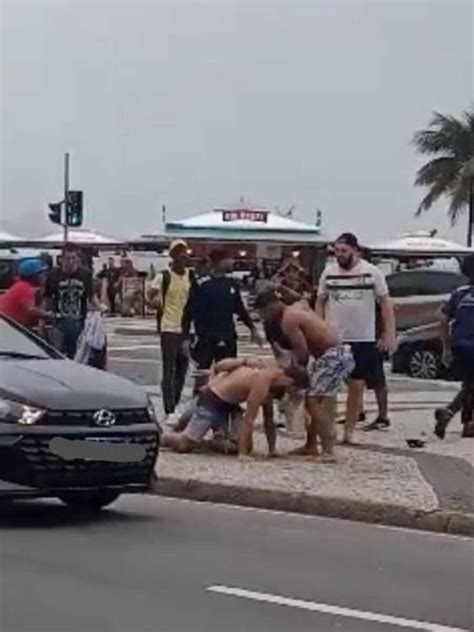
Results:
66 195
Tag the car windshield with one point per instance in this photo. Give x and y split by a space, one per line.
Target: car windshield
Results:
15 343
423 283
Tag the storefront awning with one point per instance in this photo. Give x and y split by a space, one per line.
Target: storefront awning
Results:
422 245
244 224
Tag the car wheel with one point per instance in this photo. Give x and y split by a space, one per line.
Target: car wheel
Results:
89 501
424 363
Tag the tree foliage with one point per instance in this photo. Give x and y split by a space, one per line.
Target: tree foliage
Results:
450 172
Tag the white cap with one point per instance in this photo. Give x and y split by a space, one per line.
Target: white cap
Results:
177 242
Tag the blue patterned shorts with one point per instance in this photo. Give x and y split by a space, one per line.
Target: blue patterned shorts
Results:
329 371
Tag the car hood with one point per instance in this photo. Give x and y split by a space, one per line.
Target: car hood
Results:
418 334
66 385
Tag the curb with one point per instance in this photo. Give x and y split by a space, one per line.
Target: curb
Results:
439 520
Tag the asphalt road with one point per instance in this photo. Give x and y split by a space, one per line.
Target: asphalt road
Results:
167 565
138 358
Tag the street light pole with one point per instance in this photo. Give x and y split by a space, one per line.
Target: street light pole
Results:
470 214
66 195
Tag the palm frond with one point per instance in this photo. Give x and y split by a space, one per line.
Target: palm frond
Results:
459 198
447 135
440 175
468 169
431 197
445 169
468 118
451 173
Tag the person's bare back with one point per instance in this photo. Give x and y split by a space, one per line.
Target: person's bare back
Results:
307 330
234 387
250 385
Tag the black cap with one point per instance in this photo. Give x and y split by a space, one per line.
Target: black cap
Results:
350 239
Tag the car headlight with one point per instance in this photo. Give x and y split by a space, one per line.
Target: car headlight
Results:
16 413
152 412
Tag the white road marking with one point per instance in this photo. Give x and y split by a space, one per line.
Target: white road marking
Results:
452 385
133 347
120 360
333 610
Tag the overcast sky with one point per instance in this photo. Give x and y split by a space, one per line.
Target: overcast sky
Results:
193 104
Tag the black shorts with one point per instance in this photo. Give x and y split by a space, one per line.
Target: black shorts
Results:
368 364
212 349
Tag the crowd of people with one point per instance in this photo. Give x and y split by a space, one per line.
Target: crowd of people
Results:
58 302
321 338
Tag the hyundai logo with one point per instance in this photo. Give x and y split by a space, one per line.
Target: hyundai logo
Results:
104 418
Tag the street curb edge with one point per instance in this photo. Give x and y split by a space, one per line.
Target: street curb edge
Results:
439 521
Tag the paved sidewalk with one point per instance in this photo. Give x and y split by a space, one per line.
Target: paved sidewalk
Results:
359 476
380 480
368 487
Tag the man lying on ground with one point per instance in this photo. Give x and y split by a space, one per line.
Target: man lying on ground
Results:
315 346
237 381
225 436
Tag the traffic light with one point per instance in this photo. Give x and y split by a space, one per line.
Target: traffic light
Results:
74 209
55 214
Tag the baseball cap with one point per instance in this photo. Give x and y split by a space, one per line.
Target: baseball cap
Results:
350 239
29 268
176 243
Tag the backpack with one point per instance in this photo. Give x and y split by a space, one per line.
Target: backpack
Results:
462 333
165 283
166 280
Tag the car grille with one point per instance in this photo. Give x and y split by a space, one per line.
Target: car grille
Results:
124 417
37 466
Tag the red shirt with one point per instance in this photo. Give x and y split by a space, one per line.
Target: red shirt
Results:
20 295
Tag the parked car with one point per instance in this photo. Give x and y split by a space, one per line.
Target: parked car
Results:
67 430
418 353
419 294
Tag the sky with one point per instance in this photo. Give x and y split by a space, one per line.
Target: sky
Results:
195 104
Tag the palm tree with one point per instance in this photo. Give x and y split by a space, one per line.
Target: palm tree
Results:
451 172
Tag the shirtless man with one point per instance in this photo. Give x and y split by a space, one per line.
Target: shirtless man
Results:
328 363
237 381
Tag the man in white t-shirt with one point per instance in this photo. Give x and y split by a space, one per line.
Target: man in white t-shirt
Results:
348 294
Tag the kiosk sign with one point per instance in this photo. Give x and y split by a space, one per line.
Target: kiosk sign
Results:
248 215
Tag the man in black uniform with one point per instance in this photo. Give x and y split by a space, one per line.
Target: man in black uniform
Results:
213 302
